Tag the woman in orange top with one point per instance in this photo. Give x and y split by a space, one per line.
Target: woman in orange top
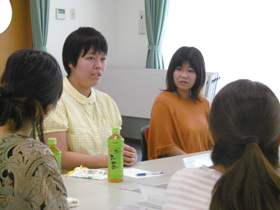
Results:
179 117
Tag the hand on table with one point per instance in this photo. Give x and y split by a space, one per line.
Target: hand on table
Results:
129 155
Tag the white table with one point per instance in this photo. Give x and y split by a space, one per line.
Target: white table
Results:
99 197
101 194
167 165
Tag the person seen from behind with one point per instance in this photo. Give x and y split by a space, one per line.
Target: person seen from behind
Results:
30 178
244 121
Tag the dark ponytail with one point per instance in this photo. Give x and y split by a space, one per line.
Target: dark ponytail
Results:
240 110
31 81
251 183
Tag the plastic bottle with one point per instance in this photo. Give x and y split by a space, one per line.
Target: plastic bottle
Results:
56 152
115 156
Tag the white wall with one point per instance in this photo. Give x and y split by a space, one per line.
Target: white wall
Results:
116 20
239 39
130 46
133 89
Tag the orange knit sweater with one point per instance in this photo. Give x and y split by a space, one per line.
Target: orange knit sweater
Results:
180 122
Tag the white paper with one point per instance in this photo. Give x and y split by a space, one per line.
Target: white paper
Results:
130 207
152 195
132 172
198 161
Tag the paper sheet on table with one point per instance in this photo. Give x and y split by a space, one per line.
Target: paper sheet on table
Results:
130 207
152 195
197 161
131 172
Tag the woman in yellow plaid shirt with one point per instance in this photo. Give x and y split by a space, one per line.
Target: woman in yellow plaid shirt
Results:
84 116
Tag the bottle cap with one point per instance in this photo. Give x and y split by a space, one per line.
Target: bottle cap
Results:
116 129
51 141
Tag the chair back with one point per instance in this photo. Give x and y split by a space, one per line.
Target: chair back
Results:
144 140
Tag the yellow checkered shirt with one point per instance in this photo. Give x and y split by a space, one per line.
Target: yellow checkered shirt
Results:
88 121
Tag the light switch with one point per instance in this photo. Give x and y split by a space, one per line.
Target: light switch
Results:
72 14
142 23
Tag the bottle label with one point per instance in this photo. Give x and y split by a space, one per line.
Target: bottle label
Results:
115 158
58 157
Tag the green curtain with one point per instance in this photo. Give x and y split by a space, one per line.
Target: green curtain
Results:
156 16
39 10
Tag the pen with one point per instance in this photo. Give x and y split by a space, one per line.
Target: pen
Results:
149 173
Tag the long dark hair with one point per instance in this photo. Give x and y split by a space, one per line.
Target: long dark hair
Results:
244 109
195 58
31 81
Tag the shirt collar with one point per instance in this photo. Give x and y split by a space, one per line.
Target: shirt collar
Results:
77 95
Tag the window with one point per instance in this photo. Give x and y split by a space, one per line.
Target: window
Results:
239 39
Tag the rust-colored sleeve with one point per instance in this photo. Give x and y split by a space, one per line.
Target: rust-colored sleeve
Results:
161 131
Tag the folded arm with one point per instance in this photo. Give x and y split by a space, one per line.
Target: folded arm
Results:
175 151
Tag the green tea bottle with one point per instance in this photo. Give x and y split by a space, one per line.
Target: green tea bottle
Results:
56 152
115 156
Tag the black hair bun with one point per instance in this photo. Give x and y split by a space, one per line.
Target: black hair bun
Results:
6 91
